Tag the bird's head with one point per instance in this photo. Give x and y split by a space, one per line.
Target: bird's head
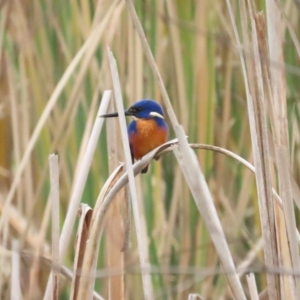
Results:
143 109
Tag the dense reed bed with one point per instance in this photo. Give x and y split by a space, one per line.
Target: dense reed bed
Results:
216 216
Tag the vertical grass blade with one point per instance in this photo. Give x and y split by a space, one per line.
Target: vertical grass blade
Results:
91 253
252 287
15 292
115 227
199 189
139 223
81 240
54 198
280 132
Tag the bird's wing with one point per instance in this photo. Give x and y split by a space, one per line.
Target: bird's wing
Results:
131 152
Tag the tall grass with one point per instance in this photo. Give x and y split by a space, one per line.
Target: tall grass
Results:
227 72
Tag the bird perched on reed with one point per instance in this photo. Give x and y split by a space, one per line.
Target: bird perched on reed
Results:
148 129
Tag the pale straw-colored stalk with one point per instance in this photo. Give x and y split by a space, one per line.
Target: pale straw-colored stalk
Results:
81 239
252 287
115 227
54 198
139 223
281 231
15 292
280 132
91 252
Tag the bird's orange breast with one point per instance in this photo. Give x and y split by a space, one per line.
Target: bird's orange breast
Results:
148 136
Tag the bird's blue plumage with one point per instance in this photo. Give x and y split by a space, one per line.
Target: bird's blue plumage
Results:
145 107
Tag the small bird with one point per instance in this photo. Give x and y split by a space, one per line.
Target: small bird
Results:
148 129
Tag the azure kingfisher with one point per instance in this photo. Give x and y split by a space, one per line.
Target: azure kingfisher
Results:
148 129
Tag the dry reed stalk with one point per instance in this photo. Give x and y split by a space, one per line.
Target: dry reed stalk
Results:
194 297
140 227
202 79
252 287
251 256
114 227
261 111
181 99
295 187
81 179
224 135
41 247
280 135
86 135
178 62
85 213
168 237
287 286
16 135
89 264
15 284
25 129
244 196
205 205
54 196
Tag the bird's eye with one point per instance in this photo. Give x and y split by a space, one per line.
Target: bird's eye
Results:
135 109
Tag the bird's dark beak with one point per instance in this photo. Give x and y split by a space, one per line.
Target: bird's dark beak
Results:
129 113
115 114
111 115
